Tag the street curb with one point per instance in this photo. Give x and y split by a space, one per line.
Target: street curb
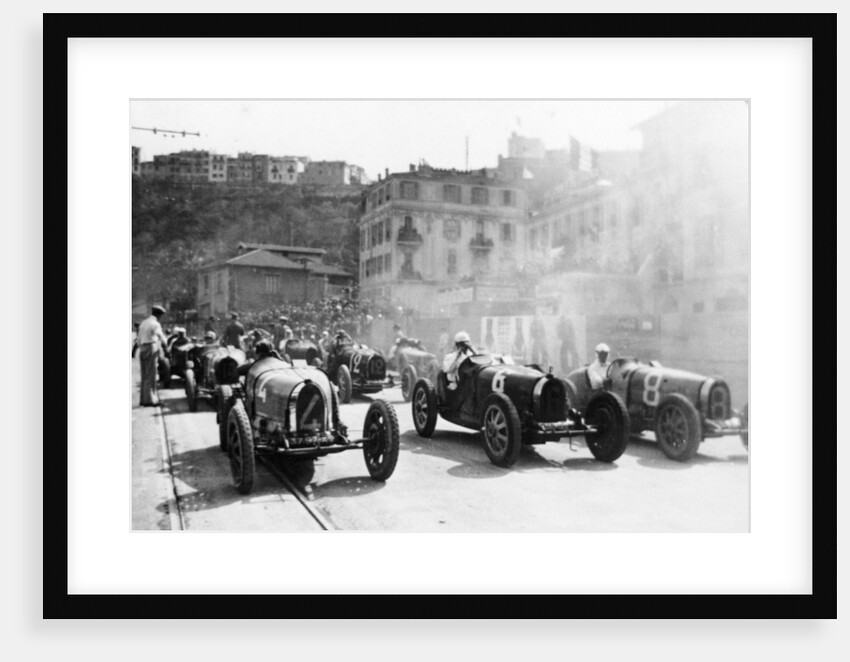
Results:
174 515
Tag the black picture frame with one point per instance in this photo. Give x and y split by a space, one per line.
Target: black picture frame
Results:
58 603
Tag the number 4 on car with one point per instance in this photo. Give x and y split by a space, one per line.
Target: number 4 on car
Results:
294 411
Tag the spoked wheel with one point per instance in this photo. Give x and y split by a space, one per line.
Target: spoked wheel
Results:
191 389
408 379
240 444
607 413
424 407
343 378
677 427
381 439
501 430
225 393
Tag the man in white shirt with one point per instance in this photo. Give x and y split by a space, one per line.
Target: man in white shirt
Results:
151 345
452 360
597 371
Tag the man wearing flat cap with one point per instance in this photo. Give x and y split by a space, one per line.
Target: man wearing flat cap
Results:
151 345
597 371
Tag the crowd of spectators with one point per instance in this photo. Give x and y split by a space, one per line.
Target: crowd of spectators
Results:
312 319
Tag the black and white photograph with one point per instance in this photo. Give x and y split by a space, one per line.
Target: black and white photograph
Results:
443 327
427 315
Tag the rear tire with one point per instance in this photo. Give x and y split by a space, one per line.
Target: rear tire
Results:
381 443
191 390
677 427
408 379
343 379
240 442
424 406
224 403
500 430
607 412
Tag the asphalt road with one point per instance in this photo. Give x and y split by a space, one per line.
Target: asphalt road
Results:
445 483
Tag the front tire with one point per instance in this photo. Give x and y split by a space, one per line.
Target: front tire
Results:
381 444
424 407
677 427
343 380
240 444
607 412
408 379
224 396
500 430
191 390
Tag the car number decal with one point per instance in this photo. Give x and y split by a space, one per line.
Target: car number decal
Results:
311 425
498 384
355 362
260 387
651 384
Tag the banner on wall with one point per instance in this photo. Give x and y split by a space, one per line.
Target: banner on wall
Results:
546 340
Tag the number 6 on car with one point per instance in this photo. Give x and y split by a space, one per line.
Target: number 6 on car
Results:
529 408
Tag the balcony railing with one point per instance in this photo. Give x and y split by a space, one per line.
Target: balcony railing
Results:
409 274
480 244
409 237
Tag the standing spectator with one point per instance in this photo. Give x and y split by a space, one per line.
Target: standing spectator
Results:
210 325
234 332
151 342
282 331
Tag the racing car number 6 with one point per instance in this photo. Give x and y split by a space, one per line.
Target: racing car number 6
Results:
498 384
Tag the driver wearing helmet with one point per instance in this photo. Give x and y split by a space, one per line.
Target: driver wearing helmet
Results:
209 338
452 360
597 371
263 349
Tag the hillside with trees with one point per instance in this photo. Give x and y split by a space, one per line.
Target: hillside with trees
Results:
178 228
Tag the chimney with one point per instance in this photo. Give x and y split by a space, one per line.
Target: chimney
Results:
412 168
386 173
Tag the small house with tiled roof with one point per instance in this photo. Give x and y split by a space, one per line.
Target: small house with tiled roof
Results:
264 276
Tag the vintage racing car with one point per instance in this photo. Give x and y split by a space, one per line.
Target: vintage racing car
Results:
514 405
355 368
207 368
175 363
292 410
412 361
303 350
682 408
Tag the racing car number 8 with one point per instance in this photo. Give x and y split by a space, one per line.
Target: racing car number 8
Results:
498 384
650 388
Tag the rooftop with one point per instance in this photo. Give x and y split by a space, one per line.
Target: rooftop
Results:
278 248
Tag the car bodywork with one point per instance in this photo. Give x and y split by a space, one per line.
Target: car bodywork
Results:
208 367
298 349
293 410
514 405
355 368
414 361
683 408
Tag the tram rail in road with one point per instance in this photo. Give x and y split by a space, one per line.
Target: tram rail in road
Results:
303 497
